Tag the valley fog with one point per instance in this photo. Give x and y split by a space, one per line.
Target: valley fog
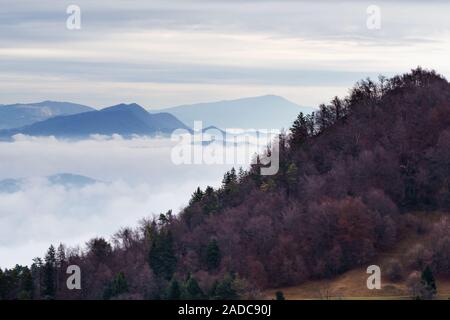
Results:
132 179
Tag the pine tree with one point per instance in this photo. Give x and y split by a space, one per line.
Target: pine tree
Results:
116 287
428 281
61 256
162 259
230 180
224 290
279 295
173 290
36 273
2 285
299 130
196 196
193 290
213 256
210 201
50 274
26 284
241 174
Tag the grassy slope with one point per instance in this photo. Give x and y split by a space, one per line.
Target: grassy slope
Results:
352 284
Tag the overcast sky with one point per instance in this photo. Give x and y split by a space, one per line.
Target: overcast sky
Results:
165 53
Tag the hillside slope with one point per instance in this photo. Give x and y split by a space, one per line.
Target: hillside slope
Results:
348 178
395 282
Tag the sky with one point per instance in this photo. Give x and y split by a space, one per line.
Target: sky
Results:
165 53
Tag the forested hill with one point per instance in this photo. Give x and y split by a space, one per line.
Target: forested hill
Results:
349 176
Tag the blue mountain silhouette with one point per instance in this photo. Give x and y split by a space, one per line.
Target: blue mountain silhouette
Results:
123 119
23 114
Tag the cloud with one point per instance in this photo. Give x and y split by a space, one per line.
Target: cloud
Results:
255 45
42 214
138 180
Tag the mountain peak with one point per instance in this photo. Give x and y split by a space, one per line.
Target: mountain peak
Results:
23 114
125 106
259 112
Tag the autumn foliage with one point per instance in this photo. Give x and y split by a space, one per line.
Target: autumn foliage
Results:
348 175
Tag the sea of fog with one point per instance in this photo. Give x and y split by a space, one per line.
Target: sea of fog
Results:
134 179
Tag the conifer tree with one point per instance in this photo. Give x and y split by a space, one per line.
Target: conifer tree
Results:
279 295
428 281
116 287
50 273
193 290
224 290
162 259
213 255
173 290
196 196
299 130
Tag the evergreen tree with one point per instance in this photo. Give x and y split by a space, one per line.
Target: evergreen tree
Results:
224 290
299 130
210 201
193 290
61 256
162 259
230 180
173 290
116 287
241 174
196 196
2 285
36 273
255 170
209 191
26 284
213 256
428 281
50 274
279 295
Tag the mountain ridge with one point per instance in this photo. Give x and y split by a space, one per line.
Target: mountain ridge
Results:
260 112
123 119
22 114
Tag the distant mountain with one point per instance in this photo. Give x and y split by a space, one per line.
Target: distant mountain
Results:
123 119
71 180
20 114
265 112
63 179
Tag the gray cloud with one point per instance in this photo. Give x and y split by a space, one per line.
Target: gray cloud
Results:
256 45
